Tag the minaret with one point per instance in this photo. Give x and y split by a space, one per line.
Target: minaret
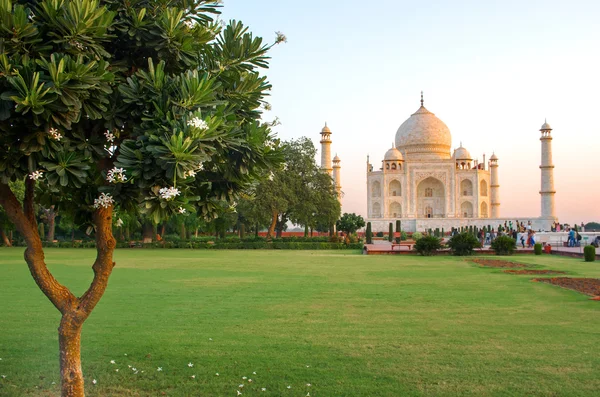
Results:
326 149
547 189
494 186
337 179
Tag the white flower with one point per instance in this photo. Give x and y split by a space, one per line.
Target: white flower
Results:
169 193
116 175
125 354
239 393
35 175
240 386
308 394
159 369
271 176
263 389
289 387
105 201
253 373
109 136
193 376
117 370
53 383
209 338
308 384
244 378
3 376
249 380
119 224
189 24
55 134
198 123
307 366
285 166
94 381
189 174
113 361
217 374
129 366
133 369
280 38
181 210
190 365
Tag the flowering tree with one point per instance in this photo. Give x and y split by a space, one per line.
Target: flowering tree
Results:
144 105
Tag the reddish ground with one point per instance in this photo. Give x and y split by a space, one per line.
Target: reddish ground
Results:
534 272
588 286
496 263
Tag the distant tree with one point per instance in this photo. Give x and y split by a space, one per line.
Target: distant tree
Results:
592 226
6 226
350 223
129 104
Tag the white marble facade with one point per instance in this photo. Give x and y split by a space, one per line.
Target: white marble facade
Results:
422 183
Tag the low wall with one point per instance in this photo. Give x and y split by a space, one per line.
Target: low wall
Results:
423 224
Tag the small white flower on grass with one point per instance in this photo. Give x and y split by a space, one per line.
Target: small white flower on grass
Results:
113 361
169 193
263 389
240 386
190 365
239 393
198 123
249 380
129 366
308 384
289 387
254 373
35 175
94 381
3 376
133 369
125 354
117 370
159 369
308 366
193 376
244 377
209 338
53 383
308 394
109 136
181 210
105 201
217 374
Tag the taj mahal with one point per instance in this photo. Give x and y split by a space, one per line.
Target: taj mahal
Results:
426 185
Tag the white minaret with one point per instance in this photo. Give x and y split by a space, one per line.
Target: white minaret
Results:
326 150
337 179
547 189
494 186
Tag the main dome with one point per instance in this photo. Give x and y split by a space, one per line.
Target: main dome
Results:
424 137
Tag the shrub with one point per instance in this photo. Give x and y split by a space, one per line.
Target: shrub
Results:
589 253
398 230
416 236
505 245
537 248
428 245
369 234
403 236
391 233
379 234
463 244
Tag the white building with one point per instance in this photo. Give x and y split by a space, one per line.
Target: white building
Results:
425 185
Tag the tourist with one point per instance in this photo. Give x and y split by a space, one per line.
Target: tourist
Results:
523 239
571 239
578 238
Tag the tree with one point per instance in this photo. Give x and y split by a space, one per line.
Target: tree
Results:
350 223
369 234
18 188
147 105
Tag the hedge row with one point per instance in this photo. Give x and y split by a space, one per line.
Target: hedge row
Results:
219 245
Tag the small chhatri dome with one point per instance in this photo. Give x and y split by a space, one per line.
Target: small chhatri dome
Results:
462 154
494 157
326 129
545 126
336 159
393 155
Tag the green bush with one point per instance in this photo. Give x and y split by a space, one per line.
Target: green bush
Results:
379 234
403 236
428 245
589 253
504 245
537 248
391 233
416 236
463 244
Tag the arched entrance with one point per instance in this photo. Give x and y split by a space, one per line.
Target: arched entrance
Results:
466 209
431 199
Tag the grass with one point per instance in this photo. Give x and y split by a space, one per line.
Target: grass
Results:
350 325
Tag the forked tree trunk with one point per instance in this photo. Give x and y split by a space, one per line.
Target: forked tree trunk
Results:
74 310
271 232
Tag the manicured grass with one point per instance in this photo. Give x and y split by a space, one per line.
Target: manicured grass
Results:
350 325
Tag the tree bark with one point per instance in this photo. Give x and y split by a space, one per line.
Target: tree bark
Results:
271 232
182 234
147 232
69 342
5 238
51 217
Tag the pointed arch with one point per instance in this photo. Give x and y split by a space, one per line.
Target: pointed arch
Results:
395 189
466 187
376 189
483 188
376 210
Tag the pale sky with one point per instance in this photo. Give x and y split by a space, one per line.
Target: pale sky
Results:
491 70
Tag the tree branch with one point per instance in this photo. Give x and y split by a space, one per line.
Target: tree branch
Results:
103 266
58 294
28 204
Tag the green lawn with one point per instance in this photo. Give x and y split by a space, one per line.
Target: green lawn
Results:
350 325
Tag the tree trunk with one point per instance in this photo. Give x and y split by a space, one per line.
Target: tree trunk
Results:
69 342
147 232
183 235
5 238
305 231
51 217
271 231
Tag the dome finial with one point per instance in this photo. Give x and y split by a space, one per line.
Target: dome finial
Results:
421 97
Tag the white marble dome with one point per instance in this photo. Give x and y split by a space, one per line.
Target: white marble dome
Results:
424 137
393 155
462 154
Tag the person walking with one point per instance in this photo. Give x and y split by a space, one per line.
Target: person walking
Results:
571 239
